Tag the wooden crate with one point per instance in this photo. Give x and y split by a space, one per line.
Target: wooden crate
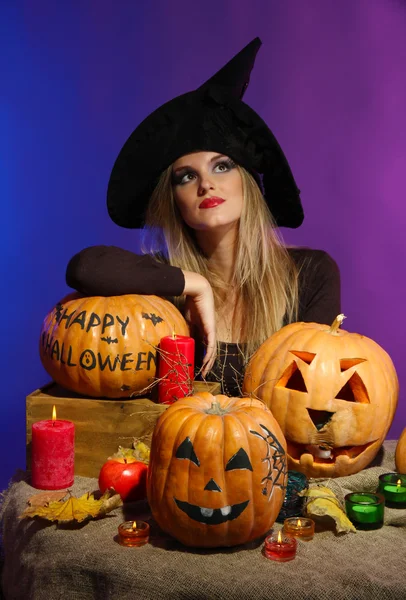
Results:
100 425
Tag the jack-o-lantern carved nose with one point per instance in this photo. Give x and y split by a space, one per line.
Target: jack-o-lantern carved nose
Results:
320 418
212 486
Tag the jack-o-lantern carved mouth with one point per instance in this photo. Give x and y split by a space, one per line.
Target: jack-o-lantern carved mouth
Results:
325 454
212 516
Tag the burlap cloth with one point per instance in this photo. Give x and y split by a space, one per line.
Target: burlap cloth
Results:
48 562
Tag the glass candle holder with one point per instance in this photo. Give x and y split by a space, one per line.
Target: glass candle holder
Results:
365 510
280 547
393 487
299 527
293 504
133 533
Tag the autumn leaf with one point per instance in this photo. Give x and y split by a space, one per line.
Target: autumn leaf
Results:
44 498
139 452
322 502
75 509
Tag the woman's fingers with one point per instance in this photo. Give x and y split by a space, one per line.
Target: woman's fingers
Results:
210 356
200 310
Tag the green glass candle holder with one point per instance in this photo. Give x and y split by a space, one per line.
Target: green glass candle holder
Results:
365 510
393 487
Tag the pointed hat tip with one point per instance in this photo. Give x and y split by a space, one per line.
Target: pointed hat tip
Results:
235 74
257 41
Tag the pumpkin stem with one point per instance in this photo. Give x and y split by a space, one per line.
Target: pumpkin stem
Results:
216 409
337 322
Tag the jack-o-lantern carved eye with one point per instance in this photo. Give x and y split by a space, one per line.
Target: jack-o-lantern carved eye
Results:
354 391
186 451
292 378
240 460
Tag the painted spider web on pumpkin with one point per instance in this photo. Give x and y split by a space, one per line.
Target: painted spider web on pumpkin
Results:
276 461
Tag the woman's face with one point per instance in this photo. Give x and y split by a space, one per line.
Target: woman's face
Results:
208 190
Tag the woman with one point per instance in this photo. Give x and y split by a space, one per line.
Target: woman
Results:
209 179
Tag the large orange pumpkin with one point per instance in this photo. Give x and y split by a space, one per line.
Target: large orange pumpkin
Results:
217 471
334 394
107 346
400 454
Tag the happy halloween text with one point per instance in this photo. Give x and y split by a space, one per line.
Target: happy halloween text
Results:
88 359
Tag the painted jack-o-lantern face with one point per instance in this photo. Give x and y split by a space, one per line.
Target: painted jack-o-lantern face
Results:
333 393
217 471
204 514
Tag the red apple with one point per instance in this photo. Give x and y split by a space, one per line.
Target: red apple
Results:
128 476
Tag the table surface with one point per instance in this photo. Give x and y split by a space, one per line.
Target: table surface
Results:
45 561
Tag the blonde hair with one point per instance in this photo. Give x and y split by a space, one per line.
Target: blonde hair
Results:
264 273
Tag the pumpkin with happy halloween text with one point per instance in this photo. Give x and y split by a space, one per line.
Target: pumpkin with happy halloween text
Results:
107 346
217 471
334 394
400 454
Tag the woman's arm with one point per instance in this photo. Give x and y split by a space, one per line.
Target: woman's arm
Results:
319 286
112 271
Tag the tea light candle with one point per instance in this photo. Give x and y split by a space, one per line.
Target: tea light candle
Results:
365 510
393 487
279 547
176 367
299 527
52 454
133 533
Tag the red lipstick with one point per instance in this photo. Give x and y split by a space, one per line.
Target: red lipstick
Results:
211 202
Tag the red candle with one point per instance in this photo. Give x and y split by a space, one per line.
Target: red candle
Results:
52 454
280 548
176 367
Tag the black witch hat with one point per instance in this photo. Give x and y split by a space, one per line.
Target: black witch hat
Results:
211 118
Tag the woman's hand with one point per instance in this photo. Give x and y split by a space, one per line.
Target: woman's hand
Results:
199 310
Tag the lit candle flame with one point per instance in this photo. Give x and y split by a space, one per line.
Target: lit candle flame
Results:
398 483
299 523
134 525
279 537
173 333
54 413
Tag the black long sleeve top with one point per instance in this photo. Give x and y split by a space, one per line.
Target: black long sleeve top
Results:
113 271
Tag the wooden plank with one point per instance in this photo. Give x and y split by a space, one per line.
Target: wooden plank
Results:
100 425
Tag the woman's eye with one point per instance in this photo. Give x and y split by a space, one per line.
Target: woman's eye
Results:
186 178
224 165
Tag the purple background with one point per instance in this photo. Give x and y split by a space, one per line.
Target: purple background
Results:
329 79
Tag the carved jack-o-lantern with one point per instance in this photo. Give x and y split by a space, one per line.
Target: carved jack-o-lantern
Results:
217 470
333 393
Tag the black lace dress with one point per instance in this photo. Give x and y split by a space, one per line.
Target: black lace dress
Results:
228 369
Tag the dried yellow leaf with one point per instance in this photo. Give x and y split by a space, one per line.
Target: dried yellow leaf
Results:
44 498
140 452
75 509
322 502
